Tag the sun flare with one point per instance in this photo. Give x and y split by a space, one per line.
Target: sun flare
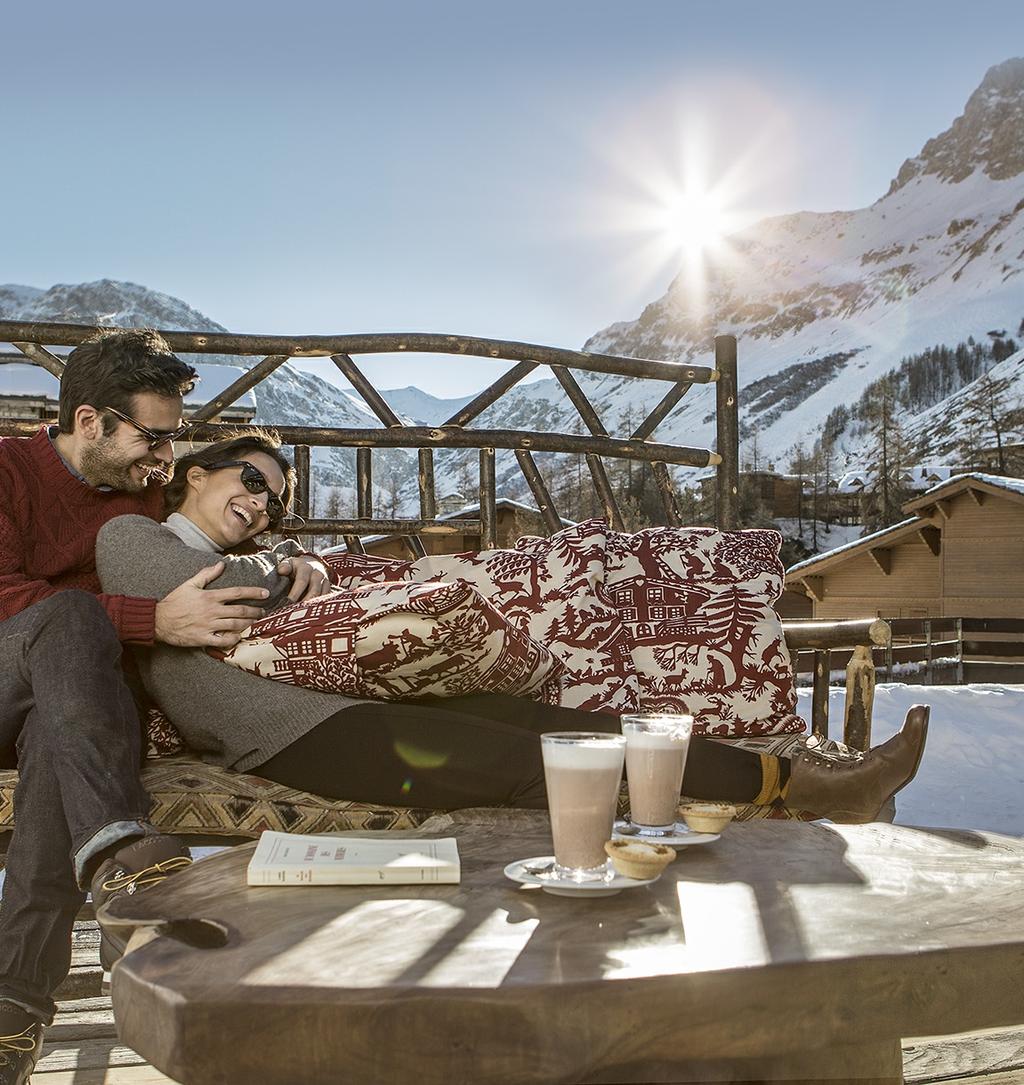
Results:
684 176
694 220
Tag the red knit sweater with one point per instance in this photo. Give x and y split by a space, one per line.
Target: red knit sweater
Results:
48 526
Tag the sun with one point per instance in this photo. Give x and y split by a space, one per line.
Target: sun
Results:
693 221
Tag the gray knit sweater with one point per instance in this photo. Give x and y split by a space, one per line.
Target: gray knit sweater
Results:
231 717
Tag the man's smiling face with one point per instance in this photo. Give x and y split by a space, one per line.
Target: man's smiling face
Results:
122 458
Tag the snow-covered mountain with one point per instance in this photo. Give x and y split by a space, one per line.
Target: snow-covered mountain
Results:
421 407
824 303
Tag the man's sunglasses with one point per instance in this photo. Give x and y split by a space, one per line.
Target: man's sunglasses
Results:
255 482
155 437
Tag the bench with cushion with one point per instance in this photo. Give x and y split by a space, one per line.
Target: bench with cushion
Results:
681 619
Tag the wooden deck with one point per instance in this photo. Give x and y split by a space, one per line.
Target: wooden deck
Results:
82 1047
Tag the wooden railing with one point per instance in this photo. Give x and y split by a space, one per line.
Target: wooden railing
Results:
819 646
35 339
954 651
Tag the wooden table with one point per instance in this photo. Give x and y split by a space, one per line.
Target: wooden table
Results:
783 951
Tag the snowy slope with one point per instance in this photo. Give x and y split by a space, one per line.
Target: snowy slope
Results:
936 431
421 407
837 299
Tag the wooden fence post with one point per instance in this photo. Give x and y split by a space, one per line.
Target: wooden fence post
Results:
860 698
727 489
819 692
959 623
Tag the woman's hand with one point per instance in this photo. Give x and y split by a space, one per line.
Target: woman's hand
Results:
309 577
193 616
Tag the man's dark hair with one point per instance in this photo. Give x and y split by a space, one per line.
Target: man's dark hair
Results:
114 365
236 445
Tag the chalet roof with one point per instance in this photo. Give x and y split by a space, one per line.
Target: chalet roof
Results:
1000 485
918 521
887 536
25 379
918 477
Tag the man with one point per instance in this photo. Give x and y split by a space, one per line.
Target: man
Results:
67 717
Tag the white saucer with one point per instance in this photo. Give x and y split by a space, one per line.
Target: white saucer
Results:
552 883
682 836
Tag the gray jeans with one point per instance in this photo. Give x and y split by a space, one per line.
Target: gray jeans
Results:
69 722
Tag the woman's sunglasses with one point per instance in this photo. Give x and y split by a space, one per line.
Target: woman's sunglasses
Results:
255 482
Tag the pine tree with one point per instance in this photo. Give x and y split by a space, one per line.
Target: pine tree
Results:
887 451
986 418
332 510
800 465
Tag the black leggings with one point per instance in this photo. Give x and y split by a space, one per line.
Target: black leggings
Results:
481 750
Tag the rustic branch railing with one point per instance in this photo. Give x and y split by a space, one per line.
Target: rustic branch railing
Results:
819 639
596 445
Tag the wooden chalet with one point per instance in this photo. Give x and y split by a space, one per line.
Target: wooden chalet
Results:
959 552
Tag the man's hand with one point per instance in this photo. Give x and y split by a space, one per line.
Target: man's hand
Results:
192 617
309 577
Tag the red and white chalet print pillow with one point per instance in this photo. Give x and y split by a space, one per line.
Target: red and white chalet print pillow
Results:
550 590
698 605
396 641
350 570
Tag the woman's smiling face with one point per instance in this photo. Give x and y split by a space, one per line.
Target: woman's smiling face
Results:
219 504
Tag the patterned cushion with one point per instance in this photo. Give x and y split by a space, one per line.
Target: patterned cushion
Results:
698 606
163 739
396 640
551 590
191 797
350 570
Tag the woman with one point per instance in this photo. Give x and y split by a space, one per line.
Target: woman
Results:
441 754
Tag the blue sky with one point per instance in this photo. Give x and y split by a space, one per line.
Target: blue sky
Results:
448 166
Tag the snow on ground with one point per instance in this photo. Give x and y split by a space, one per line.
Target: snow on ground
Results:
972 774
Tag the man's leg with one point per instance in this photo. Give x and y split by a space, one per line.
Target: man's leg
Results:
79 790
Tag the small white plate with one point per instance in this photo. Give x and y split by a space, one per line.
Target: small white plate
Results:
552 883
681 837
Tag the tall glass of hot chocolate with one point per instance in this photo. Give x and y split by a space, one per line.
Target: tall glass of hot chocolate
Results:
656 748
582 772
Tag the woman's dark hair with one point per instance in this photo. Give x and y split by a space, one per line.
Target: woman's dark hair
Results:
110 368
237 445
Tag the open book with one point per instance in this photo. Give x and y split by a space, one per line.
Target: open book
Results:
289 859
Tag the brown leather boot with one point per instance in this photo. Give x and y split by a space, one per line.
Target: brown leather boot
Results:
852 790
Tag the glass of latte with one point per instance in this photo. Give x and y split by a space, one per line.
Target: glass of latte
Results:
656 748
582 772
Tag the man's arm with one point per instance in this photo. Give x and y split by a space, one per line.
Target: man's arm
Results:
133 618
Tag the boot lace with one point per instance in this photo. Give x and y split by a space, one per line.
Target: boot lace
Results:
21 1042
142 879
814 749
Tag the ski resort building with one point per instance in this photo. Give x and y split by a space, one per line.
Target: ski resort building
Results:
959 552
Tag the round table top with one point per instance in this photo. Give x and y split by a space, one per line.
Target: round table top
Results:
778 933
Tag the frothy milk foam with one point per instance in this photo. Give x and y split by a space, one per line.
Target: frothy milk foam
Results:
654 770
583 784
